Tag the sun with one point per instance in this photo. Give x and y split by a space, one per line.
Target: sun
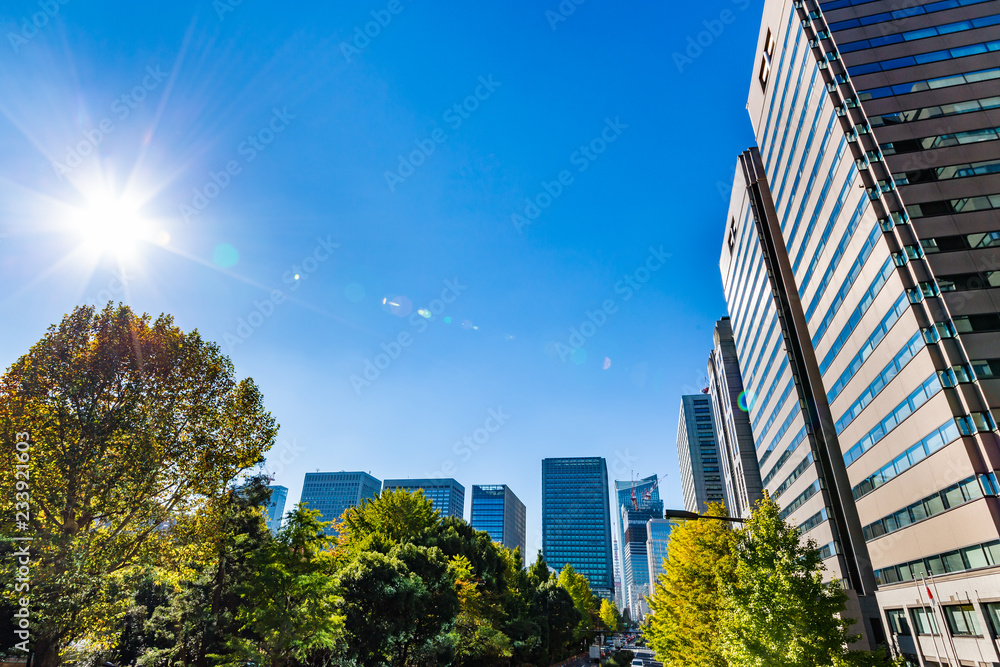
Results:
111 225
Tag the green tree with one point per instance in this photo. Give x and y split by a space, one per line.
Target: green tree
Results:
579 589
780 612
287 603
480 641
398 607
610 616
133 425
686 606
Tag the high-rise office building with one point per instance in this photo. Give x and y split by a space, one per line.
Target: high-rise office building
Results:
446 494
275 510
859 265
698 454
576 519
333 492
496 510
738 455
658 544
638 502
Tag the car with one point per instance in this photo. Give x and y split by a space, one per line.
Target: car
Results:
637 662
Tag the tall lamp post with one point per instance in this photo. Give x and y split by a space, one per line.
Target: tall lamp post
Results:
693 516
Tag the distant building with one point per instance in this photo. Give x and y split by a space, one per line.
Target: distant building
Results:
576 519
698 454
638 503
446 495
333 492
276 507
730 405
657 541
496 510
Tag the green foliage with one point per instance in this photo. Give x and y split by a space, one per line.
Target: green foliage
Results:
611 618
686 605
133 425
621 659
780 612
579 589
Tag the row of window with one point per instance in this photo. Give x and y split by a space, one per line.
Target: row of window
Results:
845 288
923 33
889 16
977 323
803 66
798 133
841 149
845 190
838 254
930 57
930 84
895 312
960 560
781 431
966 170
794 475
813 521
962 282
938 438
961 242
962 620
957 494
777 408
923 113
923 393
770 391
796 441
941 141
909 350
810 491
859 311
954 206
986 368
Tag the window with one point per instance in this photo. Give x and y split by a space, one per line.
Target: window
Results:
924 621
962 620
992 610
897 621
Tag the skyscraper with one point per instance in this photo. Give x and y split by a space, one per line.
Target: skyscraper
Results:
333 492
698 454
638 502
276 507
496 510
861 256
446 494
576 519
740 472
658 544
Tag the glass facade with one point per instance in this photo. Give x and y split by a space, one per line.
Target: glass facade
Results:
658 542
446 495
638 502
698 454
332 493
497 511
276 507
576 519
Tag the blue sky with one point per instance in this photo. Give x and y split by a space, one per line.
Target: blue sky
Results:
262 141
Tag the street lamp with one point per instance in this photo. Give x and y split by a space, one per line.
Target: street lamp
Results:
692 516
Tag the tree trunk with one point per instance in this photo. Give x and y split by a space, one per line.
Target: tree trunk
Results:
46 653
